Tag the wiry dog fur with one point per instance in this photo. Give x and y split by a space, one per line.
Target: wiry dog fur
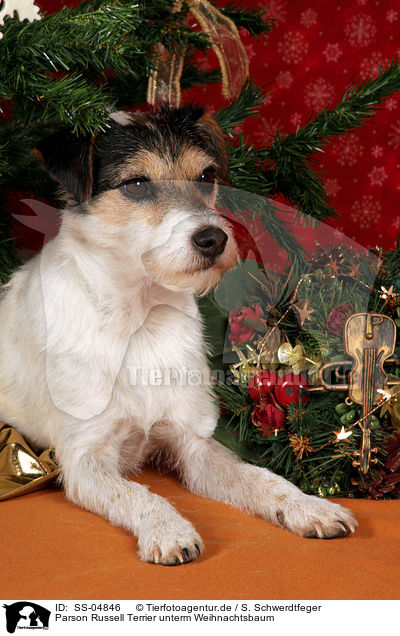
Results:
115 291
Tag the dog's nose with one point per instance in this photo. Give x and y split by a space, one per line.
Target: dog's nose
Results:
210 241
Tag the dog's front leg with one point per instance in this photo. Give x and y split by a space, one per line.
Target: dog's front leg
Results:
93 481
213 471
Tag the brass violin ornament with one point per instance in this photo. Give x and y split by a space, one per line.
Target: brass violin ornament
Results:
369 339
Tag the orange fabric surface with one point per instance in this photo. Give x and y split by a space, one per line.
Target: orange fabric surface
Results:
51 549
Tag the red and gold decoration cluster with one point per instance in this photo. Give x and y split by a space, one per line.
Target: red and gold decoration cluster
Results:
359 364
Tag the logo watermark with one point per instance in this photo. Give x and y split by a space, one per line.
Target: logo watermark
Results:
26 615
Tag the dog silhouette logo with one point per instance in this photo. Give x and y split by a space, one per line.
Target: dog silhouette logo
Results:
26 615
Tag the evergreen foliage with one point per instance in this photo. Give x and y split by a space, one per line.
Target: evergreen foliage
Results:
325 466
73 66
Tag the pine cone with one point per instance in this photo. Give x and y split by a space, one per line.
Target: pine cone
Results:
323 256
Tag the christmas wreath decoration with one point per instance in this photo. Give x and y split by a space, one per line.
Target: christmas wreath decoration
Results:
283 372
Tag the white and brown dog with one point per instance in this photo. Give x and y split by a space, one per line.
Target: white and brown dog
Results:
115 291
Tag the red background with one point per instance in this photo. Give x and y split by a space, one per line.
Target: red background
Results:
314 50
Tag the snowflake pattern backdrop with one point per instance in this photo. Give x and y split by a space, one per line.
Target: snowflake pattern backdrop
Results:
313 52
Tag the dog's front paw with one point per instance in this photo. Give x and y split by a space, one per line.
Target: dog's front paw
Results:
316 518
171 542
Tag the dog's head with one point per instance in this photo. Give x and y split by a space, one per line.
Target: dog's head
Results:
152 179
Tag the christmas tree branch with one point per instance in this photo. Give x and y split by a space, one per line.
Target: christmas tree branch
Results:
81 48
253 21
358 104
289 168
9 261
300 184
246 104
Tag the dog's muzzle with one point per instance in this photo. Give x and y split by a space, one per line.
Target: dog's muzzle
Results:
210 241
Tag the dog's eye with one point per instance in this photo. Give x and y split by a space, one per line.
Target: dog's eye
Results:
139 188
207 176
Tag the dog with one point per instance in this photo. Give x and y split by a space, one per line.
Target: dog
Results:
114 291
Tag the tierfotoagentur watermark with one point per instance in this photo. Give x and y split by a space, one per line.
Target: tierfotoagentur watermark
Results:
139 376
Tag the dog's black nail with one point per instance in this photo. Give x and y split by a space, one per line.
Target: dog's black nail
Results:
197 548
345 528
186 553
173 563
281 518
310 535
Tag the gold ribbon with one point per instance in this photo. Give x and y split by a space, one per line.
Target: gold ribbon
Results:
165 81
21 469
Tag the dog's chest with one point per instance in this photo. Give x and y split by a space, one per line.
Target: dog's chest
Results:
167 336
163 357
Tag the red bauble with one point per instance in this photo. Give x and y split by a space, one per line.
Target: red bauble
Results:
262 383
288 391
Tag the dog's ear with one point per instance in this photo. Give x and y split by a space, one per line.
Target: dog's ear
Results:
214 137
69 160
